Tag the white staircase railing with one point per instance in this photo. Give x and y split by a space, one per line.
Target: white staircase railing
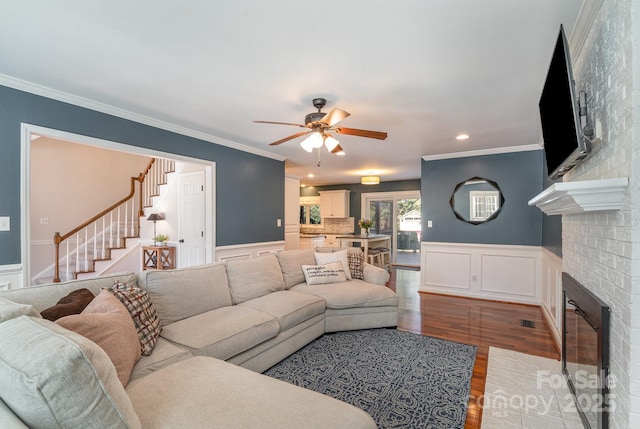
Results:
109 229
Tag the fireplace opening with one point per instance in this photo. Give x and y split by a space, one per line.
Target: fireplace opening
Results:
585 352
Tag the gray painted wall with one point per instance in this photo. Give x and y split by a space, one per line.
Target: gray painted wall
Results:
249 188
519 176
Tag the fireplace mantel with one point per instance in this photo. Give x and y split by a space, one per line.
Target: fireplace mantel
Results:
582 196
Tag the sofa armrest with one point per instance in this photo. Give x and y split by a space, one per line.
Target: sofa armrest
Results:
375 275
8 420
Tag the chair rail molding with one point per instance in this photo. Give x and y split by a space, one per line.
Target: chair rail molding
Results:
581 196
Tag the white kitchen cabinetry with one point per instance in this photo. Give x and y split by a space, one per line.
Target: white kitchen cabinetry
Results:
334 203
291 213
330 240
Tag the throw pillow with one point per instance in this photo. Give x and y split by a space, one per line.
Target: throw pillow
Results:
324 274
339 256
107 323
73 303
143 313
11 310
51 377
356 265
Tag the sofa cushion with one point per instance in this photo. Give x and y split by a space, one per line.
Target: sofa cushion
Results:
323 274
254 277
223 332
164 354
323 258
355 293
11 310
143 313
107 323
291 262
289 307
51 377
216 394
182 293
73 303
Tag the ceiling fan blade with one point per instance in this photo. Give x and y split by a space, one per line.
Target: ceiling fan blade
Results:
291 137
361 133
280 123
334 116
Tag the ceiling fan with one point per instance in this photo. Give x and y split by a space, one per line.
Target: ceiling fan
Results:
319 125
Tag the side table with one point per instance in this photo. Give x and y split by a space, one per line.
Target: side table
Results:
158 257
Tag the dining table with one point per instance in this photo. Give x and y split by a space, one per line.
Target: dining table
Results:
366 240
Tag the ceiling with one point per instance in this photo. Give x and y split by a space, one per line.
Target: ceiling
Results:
423 71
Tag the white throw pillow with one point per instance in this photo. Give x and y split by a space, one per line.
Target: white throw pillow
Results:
339 256
324 274
10 310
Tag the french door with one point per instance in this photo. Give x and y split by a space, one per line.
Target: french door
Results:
399 215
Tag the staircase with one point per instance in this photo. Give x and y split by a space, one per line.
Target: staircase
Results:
94 246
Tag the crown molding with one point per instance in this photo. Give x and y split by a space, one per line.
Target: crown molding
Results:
582 26
481 152
65 97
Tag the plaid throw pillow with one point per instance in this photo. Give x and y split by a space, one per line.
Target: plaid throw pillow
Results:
144 315
356 265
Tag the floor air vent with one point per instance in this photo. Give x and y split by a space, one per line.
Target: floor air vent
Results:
527 323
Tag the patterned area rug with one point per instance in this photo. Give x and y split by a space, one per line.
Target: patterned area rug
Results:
402 380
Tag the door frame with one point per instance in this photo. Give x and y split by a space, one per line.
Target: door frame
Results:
26 133
390 195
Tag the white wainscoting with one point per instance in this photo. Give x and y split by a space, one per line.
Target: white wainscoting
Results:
11 276
496 272
246 251
552 304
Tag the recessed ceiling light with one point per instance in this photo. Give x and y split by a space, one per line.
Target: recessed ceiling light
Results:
462 136
310 175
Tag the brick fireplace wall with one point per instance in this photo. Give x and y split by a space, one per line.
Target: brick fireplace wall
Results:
602 250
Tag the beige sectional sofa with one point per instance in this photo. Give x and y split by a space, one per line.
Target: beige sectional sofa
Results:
222 324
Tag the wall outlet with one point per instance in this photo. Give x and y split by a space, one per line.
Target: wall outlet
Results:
5 223
44 221
429 224
278 223
474 278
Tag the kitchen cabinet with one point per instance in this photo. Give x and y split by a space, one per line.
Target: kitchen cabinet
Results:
291 213
330 240
334 203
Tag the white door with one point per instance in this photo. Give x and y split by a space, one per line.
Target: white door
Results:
191 247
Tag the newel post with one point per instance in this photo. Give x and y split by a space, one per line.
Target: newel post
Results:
57 239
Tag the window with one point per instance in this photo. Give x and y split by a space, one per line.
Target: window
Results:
310 211
483 204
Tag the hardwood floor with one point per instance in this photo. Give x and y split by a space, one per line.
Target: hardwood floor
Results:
471 321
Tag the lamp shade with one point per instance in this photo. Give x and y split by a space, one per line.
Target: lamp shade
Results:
156 216
370 180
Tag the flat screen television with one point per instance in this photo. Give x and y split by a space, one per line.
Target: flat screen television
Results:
565 145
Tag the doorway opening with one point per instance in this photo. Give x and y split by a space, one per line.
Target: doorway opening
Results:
399 215
30 133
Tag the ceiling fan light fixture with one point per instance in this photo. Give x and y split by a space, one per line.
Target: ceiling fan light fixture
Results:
306 145
330 143
338 150
370 180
